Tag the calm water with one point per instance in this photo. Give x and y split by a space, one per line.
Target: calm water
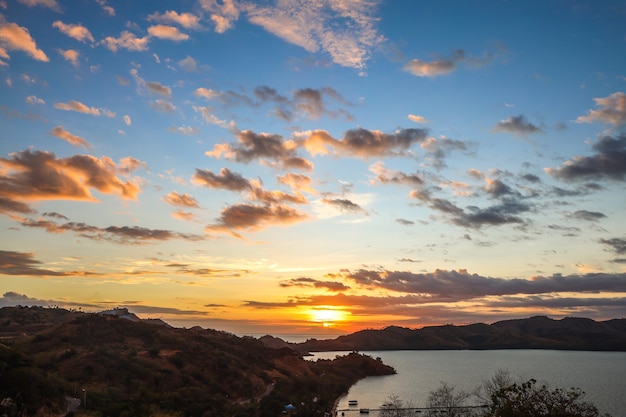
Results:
602 375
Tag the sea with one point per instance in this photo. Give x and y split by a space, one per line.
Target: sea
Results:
601 375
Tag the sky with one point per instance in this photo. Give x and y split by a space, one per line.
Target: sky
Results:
314 167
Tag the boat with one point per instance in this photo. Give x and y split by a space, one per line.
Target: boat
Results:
364 411
353 402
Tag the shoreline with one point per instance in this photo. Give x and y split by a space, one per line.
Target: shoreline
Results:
333 410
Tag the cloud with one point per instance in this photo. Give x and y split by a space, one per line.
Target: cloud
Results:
438 148
79 107
445 66
127 120
50 4
345 205
158 88
345 31
461 285
262 146
474 217
517 125
609 161
78 32
37 175
303 282
107 9
186 20
310 103
417 119
205 93
34 100
23 263
618 245
163 106
8 205
184 130
188 64
181 200
17 38
128 41
129 235
612 110
222 14
586 215
253 217
70 55
231 181
74 140
363 143
388 176
167 32
225 180
297 182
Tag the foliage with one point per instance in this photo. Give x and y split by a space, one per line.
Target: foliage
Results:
529 399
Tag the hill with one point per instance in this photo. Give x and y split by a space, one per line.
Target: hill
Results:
55 362
533 333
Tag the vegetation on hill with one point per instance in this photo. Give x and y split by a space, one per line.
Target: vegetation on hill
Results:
532 333
51 358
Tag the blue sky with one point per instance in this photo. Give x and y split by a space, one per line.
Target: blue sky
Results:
301 167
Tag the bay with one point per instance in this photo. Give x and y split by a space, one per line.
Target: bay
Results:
601 375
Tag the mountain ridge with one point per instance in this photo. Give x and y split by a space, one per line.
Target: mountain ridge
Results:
538 332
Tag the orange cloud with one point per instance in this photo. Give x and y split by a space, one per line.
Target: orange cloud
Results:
37 175
70 55
181 200
15 37
77 106
297 182
74 140
186 20
254 217
363 143
167 32
78 32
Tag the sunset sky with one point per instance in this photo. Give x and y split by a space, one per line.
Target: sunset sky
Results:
316 167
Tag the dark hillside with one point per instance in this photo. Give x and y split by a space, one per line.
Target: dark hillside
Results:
532 333
142 368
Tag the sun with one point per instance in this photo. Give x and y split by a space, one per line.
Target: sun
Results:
327 316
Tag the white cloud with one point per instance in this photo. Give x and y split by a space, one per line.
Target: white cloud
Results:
127 120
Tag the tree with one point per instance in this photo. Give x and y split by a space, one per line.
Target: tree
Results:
529 399
394 407
447 399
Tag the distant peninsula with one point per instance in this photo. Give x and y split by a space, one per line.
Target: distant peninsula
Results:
538 332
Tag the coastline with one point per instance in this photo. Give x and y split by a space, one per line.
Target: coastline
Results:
336 404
